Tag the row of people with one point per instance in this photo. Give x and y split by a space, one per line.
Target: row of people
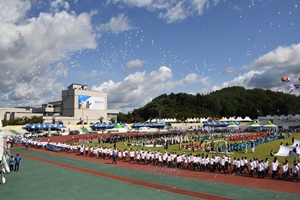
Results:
214 163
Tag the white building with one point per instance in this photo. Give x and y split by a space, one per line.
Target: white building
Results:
77 104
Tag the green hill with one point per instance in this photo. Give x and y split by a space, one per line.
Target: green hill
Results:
231 101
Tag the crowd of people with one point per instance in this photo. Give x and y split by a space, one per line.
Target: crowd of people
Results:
203 162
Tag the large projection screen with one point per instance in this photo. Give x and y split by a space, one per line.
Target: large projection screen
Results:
86 102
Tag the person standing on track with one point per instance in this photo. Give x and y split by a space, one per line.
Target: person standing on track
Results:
114 156
131 155
26 144
11 163
17 162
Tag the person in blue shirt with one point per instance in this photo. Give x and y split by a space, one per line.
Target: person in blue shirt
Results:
17 162
11 163
26 144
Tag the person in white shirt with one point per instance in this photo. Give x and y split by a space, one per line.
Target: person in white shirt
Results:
295 171
202 163
274 168
194 162
95 152
104 152
179 161
119 155
246 164
155 161
211 163
148 157
266 165
169 160
125 152
143 155
131 155
222 165
260 168
255 160
173 158
186 162
227 162
165 156
252 166
138 157
91 151
206 162
242 164
81 149
160 159
234 170
86 151
238 167
285 170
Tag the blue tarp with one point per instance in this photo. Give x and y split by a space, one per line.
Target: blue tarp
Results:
52 147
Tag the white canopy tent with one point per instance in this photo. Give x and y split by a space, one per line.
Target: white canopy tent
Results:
255 124
247 119
223 119
269 125
232 125
239 119
231 119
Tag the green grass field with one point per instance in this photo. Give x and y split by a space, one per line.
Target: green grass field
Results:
262 151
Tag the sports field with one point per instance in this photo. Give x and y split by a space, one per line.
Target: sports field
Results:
51 175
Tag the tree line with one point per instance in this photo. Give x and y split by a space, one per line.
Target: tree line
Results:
227 102
230 101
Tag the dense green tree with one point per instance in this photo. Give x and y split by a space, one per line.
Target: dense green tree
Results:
231 101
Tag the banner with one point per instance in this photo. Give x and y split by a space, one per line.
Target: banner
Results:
86 102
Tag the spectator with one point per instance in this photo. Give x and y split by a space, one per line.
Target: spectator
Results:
295 170
11 163
17 162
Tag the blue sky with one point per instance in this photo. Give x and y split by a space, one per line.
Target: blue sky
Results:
136 50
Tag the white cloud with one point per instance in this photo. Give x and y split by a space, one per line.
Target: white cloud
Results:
137 3
32 53
170 11
138 89
116 24
13 10
242 80
267 70
135 63
176 13
59 4
281 57
188 79
199 5
28 93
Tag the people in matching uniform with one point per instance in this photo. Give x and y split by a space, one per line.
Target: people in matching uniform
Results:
192 161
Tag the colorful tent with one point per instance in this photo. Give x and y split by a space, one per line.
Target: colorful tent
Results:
255 124
269 125
232 125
